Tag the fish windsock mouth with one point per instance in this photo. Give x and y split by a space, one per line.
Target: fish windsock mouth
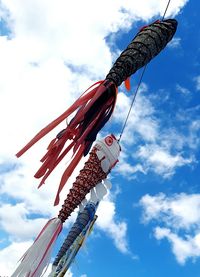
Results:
172 21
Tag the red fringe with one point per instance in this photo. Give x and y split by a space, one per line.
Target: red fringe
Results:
82 100
68 171
78 130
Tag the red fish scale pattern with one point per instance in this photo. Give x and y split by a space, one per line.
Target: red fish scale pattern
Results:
88 178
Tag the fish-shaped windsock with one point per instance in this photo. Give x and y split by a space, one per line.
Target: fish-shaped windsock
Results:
92 178
69 257
74 240
95 106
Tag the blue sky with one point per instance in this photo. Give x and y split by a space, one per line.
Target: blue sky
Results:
149 224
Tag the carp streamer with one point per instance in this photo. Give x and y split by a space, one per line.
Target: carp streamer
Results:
92 178
96 105
74 240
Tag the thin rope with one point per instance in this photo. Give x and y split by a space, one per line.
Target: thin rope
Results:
135 94
139 84
163 17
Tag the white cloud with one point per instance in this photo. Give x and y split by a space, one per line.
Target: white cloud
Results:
128 170
107 222
175 43
179 216
182 248
13 217
161 151
197 82
141 120
10 255
160 160
189 118
179 211
194 138
21 186
182 89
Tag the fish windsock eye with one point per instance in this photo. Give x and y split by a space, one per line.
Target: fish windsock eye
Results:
109 140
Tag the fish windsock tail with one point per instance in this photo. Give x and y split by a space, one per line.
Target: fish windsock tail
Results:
37 257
